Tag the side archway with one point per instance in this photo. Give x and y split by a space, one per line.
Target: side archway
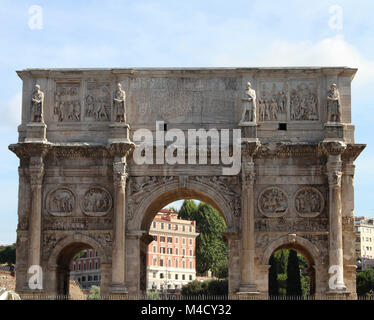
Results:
61 256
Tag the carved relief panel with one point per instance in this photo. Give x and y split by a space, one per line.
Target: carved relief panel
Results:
98 101
97 201
308 202
273 202
272 101
304 100
67 102
60 202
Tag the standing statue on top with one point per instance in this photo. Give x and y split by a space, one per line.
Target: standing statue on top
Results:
37 100
119 103
333 104
249 105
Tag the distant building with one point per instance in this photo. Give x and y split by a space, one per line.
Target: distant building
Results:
364 230
86 269
172 255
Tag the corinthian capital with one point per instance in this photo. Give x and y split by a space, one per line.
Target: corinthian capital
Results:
36 174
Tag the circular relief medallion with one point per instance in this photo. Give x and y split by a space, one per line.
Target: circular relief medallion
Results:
309 202
61 202
273 202
96 202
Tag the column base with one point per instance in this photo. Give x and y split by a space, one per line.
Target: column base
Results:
118 291
248 289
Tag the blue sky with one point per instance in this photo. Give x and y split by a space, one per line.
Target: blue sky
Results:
184 34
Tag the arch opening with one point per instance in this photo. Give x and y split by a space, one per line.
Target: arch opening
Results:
170 259
291 271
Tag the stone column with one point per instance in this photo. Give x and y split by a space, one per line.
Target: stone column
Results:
247 282
334 174
118 254
36 173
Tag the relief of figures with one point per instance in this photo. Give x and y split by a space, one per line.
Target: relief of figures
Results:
273 102
37 101
96 201
97 102
333 104
61 202
304 102
273 202
67 103
308 202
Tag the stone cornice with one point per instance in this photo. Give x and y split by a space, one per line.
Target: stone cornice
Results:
30 149
286 150
352 152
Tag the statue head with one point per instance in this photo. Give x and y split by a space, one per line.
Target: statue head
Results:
334 87
249 85
37 87
119 86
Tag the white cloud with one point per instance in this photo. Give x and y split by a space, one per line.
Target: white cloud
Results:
11 112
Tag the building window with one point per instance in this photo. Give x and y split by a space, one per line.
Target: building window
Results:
161 276
190 229
74 266
176 276
183 228
190 241
183 252
162 226
154 224
79 267
176 240
170 251
162 239
161 262
90 253
183 277
154 261
83 279
183 240
84 266
169 276
176 263
162 249
89 278
154 275
96 254
95 278
154 249
170 239
155 238
176 251
169 226
190 252
190 264
169 263
191 277
90 266
96 265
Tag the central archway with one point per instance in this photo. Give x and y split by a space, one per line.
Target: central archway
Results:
163 195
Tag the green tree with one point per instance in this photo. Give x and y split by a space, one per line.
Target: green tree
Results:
211 247
365 282
273 277
8 254
293 275
94 293
188 210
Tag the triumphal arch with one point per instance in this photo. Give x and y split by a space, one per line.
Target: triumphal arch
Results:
103 150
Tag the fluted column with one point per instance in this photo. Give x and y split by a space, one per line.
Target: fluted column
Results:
36 172
247 272
334 174
118 253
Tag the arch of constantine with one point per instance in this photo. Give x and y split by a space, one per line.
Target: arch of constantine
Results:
80 184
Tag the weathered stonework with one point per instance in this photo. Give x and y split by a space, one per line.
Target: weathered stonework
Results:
79 185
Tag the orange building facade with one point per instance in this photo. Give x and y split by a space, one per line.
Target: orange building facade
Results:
172 254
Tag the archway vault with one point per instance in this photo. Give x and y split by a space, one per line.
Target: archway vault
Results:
162 195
